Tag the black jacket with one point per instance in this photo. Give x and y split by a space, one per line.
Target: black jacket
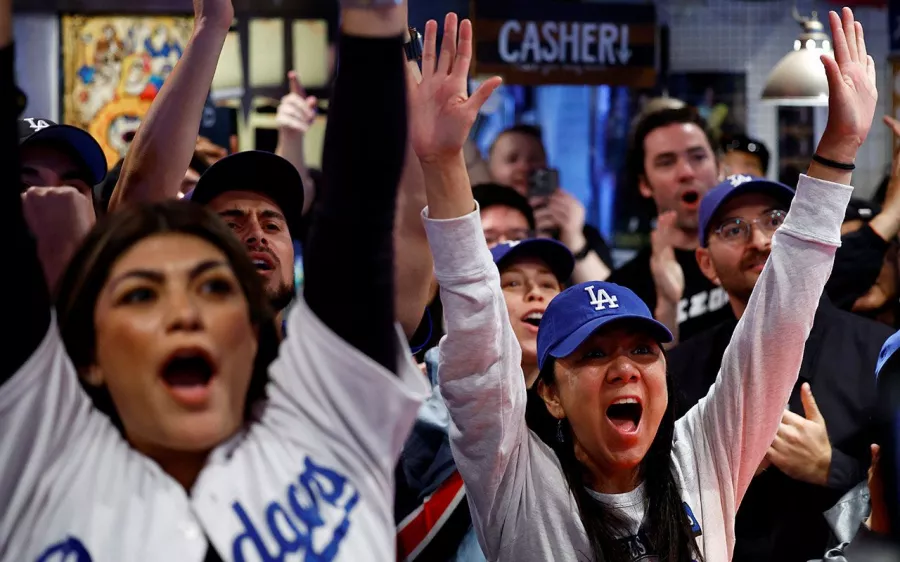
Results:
780 519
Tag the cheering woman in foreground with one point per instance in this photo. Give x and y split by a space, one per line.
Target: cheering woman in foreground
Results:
160 421
618 478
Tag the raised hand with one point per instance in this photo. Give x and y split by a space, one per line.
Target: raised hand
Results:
297 111
219 13
668 276
851 87
441 112
59 217
801 448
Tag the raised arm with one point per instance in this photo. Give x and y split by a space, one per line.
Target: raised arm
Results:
296 114
480 373
353 294
414 267
740 416
165 142
27 298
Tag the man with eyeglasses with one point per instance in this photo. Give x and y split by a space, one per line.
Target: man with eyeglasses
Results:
822 447
506 216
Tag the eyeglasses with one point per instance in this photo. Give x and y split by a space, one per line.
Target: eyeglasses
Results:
734 231
495 237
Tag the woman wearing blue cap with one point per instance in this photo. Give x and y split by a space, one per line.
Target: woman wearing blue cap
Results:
619 479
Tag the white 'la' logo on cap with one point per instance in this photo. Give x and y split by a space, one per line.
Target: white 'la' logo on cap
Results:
738 179
36 125
601 299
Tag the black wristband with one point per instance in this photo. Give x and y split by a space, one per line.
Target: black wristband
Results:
584 252
832 164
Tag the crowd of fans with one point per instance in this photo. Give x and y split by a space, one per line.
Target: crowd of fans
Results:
172 392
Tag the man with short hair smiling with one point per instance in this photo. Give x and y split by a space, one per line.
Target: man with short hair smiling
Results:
822 447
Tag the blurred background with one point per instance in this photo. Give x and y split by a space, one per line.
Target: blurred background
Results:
98 65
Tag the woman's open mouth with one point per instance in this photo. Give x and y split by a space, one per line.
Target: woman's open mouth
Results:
187 375
625 414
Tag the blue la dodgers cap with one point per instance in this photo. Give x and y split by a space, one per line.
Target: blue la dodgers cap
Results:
556 255
579 311
891 345
33 130
733 186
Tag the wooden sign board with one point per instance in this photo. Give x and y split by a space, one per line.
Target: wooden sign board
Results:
566 42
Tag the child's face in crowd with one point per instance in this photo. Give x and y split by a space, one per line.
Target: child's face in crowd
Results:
46 166
169 296
679 168
261 226
514 157
615 364
736 265
503 224
528 286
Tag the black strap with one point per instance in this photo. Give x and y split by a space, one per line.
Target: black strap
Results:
832 164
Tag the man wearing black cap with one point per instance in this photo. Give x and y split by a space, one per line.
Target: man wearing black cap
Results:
60 166
259 195
821 449
744 155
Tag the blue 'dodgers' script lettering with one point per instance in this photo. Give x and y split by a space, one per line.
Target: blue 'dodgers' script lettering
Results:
69 550
295 521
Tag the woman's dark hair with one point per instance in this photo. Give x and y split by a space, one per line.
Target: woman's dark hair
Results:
113 236
666 523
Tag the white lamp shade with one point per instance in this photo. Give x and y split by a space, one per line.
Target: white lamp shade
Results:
798 79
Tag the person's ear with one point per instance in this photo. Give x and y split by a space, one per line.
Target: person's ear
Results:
644 187
706 266
550 396
94 376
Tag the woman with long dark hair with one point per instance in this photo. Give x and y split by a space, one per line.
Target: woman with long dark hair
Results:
618 478
153 416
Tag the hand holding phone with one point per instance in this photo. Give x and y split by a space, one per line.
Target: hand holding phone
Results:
543 183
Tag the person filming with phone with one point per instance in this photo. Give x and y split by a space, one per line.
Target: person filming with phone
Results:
518 159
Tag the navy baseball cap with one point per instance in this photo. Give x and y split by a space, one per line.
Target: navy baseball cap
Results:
891 345
255 171
556 255
33 131
733 186
579 311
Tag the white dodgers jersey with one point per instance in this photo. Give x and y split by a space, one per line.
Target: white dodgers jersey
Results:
311 480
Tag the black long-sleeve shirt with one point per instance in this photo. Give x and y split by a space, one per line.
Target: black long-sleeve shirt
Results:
780 519
26 300
348 262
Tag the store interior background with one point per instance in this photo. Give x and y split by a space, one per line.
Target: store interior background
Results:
718 36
